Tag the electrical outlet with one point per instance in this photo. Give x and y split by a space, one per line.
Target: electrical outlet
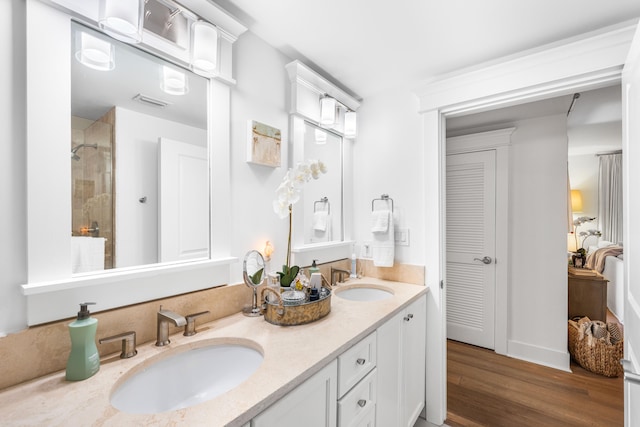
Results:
365 250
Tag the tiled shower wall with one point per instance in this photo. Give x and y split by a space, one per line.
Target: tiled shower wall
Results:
92 189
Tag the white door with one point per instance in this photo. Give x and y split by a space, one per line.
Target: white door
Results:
631 203
184 201
471 229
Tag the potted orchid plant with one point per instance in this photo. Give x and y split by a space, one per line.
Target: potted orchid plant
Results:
287 194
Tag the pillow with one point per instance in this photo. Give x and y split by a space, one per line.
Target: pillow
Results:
604 243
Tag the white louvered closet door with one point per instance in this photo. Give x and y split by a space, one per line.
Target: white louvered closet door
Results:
470 269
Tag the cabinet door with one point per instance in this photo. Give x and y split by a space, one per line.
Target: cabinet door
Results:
401 366
414 333
312 404
389 342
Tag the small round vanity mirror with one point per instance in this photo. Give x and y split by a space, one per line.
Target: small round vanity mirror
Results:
253 274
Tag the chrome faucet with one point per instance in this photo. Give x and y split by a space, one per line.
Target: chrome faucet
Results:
164 318
342 273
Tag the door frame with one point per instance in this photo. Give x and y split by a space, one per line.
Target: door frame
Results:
500 142
562 68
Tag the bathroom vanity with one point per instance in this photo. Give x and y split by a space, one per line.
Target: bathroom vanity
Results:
362 364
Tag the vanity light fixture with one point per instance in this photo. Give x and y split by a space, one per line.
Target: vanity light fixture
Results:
174 81
94 52
122 19
321 137
204 48
350 124
327 110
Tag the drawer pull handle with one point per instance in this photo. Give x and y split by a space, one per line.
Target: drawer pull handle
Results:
362 403
361 361
408 317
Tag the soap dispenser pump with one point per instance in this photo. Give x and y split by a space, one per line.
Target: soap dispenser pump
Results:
84 360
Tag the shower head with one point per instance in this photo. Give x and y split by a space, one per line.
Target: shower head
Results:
74 150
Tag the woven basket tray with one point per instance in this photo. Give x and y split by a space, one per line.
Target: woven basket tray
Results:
600 358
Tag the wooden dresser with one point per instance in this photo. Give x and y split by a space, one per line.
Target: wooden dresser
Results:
587 294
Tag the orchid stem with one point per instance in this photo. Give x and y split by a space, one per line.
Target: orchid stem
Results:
289 241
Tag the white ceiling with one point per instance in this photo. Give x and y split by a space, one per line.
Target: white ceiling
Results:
371 45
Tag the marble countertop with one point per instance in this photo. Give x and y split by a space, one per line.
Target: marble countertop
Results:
291 355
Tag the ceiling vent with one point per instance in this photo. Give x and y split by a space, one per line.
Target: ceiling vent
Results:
148 100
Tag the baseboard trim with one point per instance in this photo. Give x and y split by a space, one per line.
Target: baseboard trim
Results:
539 355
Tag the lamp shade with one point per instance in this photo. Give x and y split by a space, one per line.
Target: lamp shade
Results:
204 48
122 19
576 200
321 137
174 81
94 52
350 124
327 111
572 244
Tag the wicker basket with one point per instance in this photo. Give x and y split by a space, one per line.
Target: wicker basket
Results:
595 355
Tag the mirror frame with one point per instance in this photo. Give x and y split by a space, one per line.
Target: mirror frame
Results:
51 292
307 86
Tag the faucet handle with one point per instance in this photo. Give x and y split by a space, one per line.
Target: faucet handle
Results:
190 327
128 343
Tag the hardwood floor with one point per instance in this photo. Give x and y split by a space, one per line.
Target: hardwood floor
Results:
487 389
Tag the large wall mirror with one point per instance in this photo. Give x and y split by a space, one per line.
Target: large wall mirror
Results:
114 140
323 197
138 149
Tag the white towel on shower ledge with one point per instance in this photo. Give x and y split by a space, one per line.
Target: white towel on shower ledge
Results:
87 254
383 243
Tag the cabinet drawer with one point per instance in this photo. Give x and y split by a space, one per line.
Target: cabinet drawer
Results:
357 408
354 363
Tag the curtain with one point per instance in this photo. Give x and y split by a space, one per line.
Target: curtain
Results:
610 197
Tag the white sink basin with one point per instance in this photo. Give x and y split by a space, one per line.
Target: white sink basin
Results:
186 378
364 292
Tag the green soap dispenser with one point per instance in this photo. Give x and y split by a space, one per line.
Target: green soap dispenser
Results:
84 360
314 267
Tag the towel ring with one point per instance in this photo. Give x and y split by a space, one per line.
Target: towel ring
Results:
325 201
385 198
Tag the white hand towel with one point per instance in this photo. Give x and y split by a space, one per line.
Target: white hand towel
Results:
318 236
320 220
380 221
87 254
383 245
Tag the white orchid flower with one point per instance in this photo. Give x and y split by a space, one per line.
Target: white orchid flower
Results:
281 208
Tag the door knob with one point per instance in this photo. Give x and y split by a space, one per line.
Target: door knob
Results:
485 260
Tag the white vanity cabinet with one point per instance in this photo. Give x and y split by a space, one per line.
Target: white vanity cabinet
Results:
357 383
378 381
312 404
401 366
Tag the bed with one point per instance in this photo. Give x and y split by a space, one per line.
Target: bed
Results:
607 258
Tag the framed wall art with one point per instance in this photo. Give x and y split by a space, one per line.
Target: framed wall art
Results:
264 145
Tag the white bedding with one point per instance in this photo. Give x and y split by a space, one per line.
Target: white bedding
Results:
614 273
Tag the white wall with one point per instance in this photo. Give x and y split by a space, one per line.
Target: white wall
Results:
388 159
388 153
537 230
137 176
13 224
261 94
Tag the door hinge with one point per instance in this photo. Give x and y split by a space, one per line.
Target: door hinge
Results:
441 284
